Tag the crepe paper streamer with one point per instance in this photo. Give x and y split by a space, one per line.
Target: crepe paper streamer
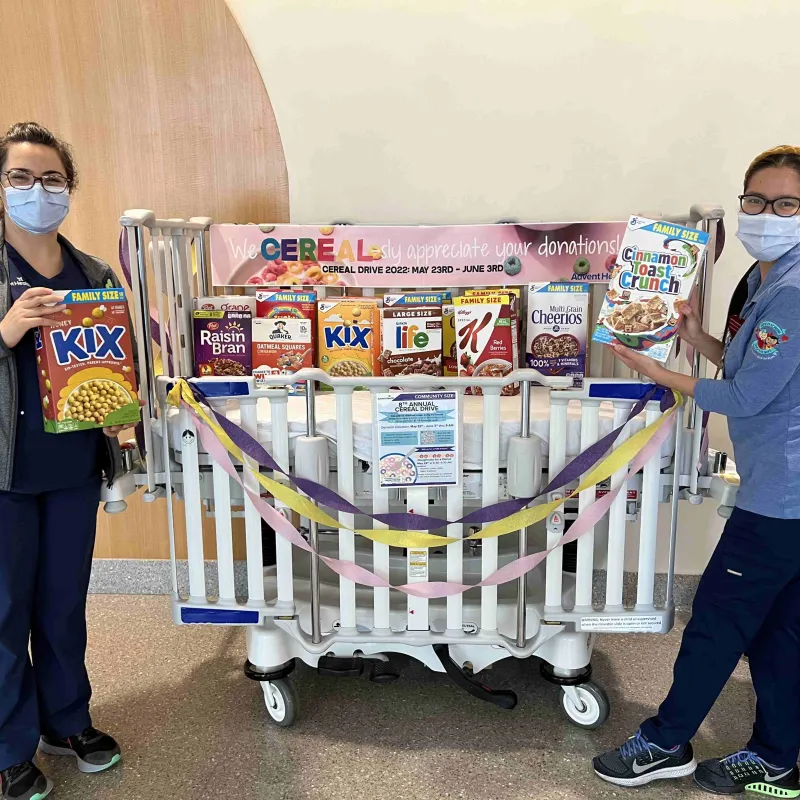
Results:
243 442
435 589
615 461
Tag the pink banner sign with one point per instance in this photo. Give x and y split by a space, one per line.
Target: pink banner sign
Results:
413 256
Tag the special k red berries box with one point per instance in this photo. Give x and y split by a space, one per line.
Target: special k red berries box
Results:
85 360
486 338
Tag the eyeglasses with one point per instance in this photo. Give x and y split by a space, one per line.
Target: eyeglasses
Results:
53 182
782 206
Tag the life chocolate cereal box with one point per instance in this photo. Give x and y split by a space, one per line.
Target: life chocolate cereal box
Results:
349 335
86 366
655 270
411 340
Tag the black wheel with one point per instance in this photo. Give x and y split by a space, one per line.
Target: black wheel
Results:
280 698
594 709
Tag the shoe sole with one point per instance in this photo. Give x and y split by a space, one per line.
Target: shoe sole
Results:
763 789
673 773
83 766
45 793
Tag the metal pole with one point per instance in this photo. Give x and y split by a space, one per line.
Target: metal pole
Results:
202 269
316 623
522 581
144 306
673 523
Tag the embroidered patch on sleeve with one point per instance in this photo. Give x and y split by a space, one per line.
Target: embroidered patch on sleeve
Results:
767 339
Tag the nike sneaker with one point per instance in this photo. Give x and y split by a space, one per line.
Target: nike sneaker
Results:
746 772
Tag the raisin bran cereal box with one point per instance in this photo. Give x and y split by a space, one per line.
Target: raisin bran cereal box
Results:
411 340
85 360
283 334
656 268
349 335
557 329
486 338
223 336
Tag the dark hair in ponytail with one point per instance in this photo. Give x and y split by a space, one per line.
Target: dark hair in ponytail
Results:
784 155
33 133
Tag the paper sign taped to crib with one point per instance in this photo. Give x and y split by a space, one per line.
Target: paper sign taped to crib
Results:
417 439
423 256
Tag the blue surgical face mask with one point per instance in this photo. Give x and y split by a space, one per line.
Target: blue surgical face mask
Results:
767 236
35 210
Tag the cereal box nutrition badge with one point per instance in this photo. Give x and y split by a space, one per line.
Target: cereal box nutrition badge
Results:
85 360
557 329
655 269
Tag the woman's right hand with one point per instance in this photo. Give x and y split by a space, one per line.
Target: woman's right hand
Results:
690 329
34 308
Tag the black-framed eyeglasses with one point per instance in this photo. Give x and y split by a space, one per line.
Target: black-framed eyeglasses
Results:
53 182
782 206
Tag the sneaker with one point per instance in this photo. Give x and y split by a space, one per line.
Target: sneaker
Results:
24 782
746 772
95 751
639 762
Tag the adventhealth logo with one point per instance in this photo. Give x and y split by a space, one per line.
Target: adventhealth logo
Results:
81 344
347 336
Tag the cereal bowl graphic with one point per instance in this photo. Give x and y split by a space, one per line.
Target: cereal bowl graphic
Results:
640 324
398 469
94 396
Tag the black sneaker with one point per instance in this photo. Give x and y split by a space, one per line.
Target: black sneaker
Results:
95 751
24 782
746 772
639 762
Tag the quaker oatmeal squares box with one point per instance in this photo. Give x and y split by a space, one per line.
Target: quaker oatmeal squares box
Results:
283 334
86 367
349 336
411 340
557 329
223 336
486 339
655 270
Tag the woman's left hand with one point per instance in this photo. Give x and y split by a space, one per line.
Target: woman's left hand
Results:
638 362
115 430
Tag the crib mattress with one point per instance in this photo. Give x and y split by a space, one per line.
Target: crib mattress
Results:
472 416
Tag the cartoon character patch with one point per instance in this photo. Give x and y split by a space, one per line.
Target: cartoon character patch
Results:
768 338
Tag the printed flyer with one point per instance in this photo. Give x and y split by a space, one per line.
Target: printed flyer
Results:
419 256
418 445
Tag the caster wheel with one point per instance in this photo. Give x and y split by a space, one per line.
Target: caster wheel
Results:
280 698
594 706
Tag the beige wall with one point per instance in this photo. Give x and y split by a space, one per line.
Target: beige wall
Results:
473 110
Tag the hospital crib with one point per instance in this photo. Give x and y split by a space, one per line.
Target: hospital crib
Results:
295 608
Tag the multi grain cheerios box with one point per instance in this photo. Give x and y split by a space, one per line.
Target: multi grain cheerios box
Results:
557 329
656 268
86 367
349 336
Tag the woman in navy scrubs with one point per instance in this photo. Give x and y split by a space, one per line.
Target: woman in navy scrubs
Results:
748 600
49 484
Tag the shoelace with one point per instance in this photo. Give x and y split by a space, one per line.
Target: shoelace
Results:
87 736
637 745
12 773
744 757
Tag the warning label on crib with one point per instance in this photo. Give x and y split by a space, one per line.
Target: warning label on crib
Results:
417 439
623 623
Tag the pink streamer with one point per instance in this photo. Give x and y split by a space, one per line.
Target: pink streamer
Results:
434 589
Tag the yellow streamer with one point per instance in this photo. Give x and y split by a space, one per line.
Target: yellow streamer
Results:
615 461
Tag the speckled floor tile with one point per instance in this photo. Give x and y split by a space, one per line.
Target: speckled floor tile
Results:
193 727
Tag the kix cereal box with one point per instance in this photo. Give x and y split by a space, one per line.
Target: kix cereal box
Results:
283 334
654 271
85 360
349 331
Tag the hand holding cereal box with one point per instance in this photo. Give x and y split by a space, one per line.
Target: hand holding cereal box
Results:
656 268
85 360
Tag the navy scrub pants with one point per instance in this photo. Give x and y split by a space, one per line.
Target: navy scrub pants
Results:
748 601
46 544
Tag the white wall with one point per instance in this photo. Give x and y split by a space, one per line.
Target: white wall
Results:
474 110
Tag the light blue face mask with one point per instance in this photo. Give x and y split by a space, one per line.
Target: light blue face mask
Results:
766 236
35 210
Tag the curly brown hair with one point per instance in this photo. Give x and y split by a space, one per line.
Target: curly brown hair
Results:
34 133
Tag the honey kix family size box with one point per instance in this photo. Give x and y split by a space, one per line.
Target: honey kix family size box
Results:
85 361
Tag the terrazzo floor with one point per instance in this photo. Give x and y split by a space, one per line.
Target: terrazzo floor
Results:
193 727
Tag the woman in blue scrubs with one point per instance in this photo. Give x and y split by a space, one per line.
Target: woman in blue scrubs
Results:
49 484
748 600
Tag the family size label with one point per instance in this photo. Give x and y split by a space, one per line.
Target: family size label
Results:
417 439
